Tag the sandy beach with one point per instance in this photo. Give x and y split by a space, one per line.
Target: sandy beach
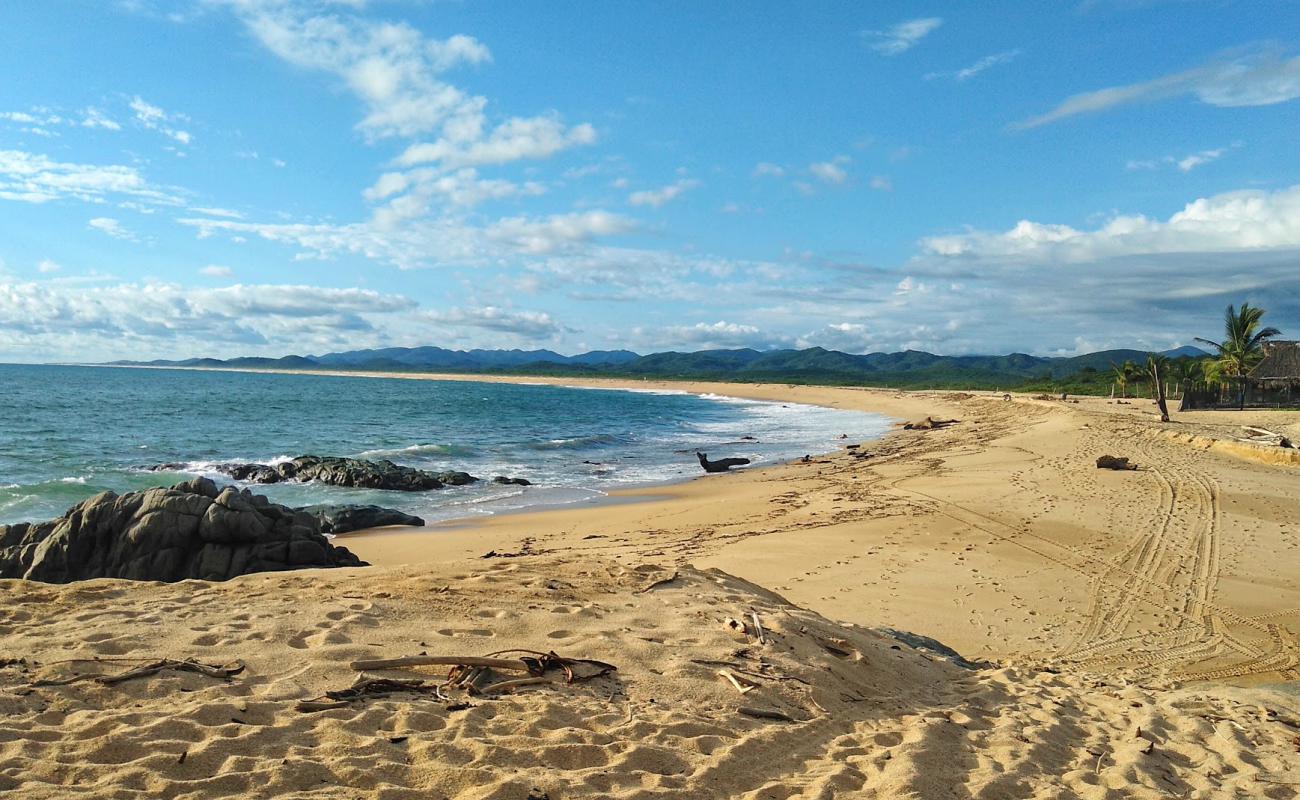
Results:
1123 634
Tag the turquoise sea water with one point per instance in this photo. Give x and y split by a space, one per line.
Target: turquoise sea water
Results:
67 433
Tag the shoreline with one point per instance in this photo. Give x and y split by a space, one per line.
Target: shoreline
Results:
1133 633
760 392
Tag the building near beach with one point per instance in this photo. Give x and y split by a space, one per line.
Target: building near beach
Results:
1280 368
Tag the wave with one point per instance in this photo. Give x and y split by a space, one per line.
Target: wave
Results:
575 442
418 450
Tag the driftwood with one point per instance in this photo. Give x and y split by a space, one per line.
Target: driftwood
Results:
1256 435
450 661
339 698
721 465
535 663
1114 462
472 674
152 668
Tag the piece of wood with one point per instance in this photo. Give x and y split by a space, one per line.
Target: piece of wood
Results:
758 627
511 685
657 583
736 683
447 661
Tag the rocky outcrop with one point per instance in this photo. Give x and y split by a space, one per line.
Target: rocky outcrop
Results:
455 478
192 530
504 481
346 519
360 473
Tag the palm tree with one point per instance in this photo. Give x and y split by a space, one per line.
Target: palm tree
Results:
1185 372
1156 368
1242 346
1120 376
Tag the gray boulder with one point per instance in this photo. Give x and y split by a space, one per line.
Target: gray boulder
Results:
192 530
503 480
345 519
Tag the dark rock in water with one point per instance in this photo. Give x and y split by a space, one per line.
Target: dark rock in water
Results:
455 478
512 481
251 473
345 519
192 530
360 473
354 472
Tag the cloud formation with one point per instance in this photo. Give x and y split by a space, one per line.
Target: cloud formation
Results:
1257 78
658 197
902 37
985 63
528 325
86 322
37 178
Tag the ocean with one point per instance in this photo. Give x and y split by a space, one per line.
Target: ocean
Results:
68 433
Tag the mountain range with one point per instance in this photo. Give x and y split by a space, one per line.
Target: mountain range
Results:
911 368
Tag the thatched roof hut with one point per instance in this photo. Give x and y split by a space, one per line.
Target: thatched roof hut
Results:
1281 364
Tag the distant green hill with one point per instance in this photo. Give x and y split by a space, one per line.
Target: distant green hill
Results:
908 369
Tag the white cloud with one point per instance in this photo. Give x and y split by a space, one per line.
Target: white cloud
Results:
47 267
1258 78
706 335
419 187
94 118
54 319
35 178
985 63
1243 220
903 36
512 140
216 271
531 325
658 197
1191 162
398 74
155 119
558 232
766 169
830 171
37 116
882 183
217 212
113 228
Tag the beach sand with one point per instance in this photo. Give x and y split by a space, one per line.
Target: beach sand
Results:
1134 632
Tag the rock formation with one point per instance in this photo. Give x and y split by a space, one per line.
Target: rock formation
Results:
355 472
503 480
192 530
345 519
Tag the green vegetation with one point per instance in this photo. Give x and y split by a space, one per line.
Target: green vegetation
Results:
1242 346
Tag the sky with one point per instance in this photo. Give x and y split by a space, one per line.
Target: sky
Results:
266 177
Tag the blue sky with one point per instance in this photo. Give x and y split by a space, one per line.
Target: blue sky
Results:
222 177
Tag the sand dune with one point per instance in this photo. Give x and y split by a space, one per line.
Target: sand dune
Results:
872 718
1135 631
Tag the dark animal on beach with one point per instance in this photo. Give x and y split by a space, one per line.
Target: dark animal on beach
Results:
721 465
1114 462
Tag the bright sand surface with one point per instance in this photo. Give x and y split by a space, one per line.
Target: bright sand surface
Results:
1138 630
